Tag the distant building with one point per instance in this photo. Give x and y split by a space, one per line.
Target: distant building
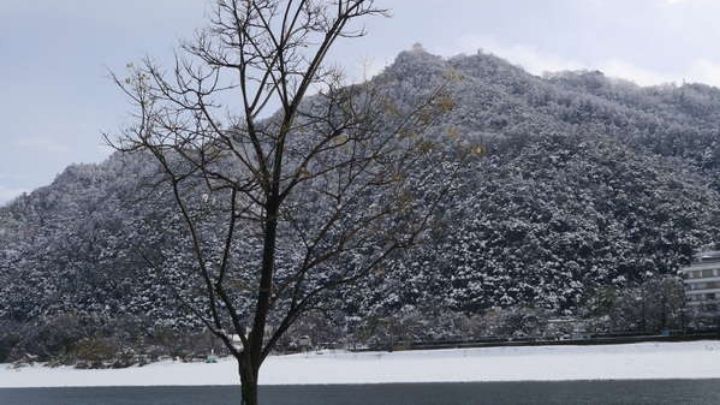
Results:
702 282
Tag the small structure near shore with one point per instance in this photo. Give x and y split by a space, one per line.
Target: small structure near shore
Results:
567 328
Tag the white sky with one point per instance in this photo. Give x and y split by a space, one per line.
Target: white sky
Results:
56 98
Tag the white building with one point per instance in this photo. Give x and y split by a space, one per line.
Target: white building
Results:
702 282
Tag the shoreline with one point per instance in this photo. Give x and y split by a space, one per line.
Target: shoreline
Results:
635 361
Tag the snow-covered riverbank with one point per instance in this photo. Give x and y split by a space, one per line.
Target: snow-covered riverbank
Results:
692 360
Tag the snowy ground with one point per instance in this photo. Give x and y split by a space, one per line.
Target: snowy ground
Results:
687 360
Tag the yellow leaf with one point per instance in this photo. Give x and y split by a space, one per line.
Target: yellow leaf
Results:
479 150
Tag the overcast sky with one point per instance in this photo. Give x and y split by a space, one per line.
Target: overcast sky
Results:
56 98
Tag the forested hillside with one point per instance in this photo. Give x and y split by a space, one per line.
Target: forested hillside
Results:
588 183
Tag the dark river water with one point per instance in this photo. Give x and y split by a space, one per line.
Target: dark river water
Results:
649 392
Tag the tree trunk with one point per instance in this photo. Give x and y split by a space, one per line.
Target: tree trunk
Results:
250 361
249 381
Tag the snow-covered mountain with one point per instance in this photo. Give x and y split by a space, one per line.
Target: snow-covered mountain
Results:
588 182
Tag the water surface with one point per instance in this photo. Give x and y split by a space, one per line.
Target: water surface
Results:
650 392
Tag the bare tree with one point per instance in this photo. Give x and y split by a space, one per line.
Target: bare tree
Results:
281 209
